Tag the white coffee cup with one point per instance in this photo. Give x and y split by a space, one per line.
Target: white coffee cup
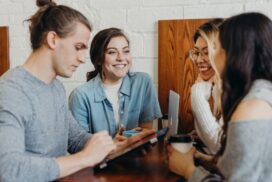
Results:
182 143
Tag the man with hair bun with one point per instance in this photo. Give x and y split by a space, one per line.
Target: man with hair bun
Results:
36 127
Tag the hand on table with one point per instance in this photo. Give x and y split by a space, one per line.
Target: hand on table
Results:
123 142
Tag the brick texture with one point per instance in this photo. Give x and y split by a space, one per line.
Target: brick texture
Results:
138 18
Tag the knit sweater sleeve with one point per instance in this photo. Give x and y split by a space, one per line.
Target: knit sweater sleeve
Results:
78 137
16 164
207 126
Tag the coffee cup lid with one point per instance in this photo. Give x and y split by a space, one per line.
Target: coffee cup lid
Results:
180 138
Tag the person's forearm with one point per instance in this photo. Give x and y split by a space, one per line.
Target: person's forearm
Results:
189 171
71 164
147 125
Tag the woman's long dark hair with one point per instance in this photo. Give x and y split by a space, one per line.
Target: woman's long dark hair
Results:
98 47
247 41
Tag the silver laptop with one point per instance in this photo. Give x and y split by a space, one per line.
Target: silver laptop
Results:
173 112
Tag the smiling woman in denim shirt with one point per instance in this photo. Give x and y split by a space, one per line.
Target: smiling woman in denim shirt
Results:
114 97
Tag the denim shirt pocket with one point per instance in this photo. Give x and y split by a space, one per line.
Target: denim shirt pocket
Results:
133 117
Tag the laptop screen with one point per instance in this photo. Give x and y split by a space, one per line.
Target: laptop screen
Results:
173 112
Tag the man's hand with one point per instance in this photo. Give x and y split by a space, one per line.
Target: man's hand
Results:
97 148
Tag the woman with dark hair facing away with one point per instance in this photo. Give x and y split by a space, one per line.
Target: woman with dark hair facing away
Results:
36 127
114 97
243 57
206 91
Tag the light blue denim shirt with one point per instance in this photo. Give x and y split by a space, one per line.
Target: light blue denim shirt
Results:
138 104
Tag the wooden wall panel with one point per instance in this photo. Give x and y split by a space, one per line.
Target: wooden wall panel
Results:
4 50
176 71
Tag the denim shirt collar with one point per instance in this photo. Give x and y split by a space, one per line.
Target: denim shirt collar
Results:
125 87
99 94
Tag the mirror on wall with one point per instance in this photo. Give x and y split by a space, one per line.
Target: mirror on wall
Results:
4 50
176 70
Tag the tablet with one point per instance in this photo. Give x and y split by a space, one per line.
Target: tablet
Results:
151 139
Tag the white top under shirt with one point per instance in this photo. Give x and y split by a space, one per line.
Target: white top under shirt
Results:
112 94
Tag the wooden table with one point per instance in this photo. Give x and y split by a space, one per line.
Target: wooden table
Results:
132 167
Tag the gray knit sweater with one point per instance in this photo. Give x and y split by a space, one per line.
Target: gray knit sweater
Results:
249 146
35 127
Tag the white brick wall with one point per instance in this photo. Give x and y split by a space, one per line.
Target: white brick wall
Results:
137 17
212 10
